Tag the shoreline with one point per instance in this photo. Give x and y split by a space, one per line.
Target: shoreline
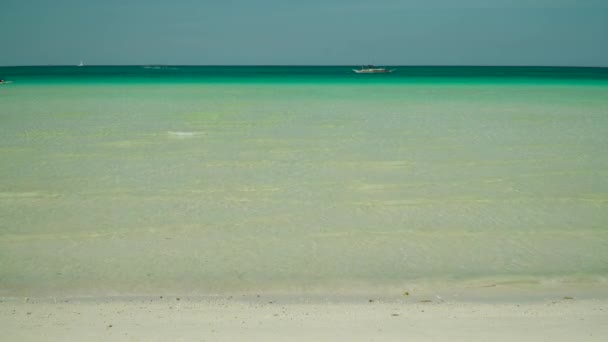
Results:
484 289
279 318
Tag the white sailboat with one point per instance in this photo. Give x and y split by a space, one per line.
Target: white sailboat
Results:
81 63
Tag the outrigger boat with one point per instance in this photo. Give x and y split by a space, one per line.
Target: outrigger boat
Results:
370 69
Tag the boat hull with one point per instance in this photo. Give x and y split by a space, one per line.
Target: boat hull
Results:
373 71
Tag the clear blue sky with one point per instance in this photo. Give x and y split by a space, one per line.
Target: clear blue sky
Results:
391 32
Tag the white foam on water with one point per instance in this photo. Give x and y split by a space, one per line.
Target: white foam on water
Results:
183 135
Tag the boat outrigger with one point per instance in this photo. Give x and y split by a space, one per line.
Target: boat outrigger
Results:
370 69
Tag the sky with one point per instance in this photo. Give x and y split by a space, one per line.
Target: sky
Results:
308 32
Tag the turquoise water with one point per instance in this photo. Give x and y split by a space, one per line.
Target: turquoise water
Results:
122 180
300 74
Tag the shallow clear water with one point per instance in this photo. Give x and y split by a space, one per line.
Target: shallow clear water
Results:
219 180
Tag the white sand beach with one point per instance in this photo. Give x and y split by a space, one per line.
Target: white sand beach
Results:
268 318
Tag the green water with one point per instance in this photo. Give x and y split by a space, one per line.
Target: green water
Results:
303 74
122 180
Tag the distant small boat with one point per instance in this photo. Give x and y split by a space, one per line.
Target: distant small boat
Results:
370 69
81 63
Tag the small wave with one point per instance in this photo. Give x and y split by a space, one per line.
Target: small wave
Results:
25 195
180 134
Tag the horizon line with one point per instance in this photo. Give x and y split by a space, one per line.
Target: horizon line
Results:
307 65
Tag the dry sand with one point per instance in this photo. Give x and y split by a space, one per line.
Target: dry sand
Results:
276 318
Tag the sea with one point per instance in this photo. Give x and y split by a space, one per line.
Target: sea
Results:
217 180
